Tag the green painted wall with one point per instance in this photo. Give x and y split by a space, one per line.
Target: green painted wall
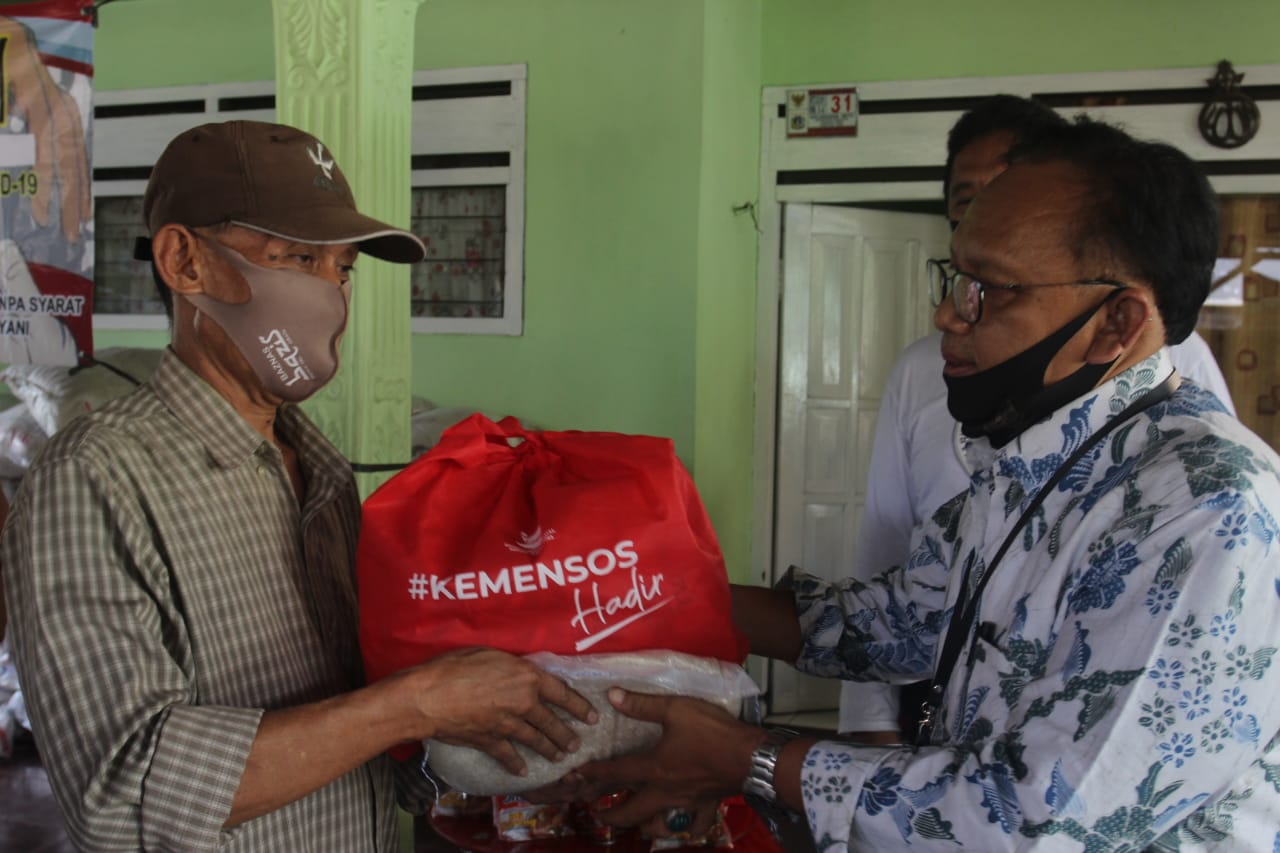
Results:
142 44
815 41
614 102
724 348
611 212
642 132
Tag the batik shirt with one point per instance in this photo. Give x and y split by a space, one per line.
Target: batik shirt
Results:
167 588
916 466
1118 689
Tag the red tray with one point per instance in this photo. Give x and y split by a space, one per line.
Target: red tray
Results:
477 835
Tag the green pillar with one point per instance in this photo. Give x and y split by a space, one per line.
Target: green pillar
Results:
344 72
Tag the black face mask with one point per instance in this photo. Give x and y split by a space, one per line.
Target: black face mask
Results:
1002 401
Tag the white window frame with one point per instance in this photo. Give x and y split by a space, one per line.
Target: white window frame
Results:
462 125
478 125
136 142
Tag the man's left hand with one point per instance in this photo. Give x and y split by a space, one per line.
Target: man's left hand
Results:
702 757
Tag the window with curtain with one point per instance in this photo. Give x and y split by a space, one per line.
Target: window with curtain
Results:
1241 318
465 230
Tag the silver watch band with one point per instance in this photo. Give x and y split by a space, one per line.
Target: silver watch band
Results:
764 762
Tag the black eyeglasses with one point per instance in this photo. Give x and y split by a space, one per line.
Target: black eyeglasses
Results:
966 291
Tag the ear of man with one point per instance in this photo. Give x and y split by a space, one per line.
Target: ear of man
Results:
1131 329
183 262
186 261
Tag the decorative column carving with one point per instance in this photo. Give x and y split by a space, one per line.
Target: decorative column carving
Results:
344 72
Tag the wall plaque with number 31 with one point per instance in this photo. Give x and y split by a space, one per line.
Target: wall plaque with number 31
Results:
822 112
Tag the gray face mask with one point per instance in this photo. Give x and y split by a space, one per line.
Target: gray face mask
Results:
289 328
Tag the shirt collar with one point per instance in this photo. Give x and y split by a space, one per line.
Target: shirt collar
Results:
228 438
1084 415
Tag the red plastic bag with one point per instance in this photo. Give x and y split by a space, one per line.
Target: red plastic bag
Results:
567 542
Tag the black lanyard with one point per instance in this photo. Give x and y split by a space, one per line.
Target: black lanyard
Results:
966 607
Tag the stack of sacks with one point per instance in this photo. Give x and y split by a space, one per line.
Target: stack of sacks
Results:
427 422
21 437
56 395
13 711
50 398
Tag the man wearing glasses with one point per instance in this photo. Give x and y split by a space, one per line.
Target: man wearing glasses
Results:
1013 394
1099 613
916 463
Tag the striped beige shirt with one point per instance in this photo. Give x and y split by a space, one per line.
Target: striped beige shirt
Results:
165 589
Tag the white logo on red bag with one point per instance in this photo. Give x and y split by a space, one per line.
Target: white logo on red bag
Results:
531 543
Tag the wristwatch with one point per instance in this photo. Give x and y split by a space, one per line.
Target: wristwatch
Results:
764 761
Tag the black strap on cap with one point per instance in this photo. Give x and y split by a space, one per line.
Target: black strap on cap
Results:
142 249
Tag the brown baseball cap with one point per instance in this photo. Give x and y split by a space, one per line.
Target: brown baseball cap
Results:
271 178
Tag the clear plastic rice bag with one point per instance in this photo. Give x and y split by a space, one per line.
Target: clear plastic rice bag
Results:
654 671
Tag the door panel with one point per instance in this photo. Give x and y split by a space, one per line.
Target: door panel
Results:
854 295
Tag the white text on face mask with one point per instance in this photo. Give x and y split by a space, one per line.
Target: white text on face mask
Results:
282 354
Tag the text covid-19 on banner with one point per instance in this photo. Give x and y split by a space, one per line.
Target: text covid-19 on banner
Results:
46 203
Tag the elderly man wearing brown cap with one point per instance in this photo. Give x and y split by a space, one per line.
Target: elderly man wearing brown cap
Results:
181 562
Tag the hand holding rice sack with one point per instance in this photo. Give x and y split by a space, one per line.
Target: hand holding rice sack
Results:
586 547
669 673
658 803
489 703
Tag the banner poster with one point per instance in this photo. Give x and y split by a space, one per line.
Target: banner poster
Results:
46 200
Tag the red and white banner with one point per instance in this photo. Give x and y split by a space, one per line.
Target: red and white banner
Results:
46 181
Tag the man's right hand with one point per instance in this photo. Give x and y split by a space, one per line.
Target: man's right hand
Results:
482 698
490 700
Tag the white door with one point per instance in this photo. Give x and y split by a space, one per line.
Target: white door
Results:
854 294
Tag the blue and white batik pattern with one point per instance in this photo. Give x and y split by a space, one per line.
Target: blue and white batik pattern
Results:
1120 690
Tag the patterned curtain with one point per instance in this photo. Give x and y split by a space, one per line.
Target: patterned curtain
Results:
1241 320
464 229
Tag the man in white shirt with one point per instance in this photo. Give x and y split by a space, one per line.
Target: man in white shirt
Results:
916 462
